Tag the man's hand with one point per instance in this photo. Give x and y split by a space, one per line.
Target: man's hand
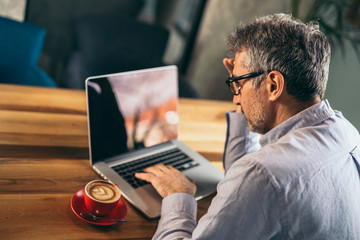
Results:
167 180
238 108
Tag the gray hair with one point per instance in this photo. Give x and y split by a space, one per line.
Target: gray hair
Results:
278 42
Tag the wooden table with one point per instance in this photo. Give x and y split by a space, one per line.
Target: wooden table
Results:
44 160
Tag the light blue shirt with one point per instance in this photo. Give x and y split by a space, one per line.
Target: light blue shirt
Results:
300 182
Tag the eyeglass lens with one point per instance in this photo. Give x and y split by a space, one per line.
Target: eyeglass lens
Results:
235 87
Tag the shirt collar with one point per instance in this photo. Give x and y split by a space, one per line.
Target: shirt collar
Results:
308 117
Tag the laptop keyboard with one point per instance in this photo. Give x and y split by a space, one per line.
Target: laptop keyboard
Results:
173 157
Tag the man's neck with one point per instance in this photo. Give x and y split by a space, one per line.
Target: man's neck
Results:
285 110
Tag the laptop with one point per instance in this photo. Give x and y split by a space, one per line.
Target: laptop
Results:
133 123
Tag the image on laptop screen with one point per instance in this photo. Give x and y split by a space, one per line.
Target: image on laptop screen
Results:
131 111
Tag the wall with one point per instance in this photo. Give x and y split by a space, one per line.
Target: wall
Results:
343 89
13 9
207 74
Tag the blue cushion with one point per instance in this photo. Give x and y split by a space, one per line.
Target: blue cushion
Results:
20 43
26 75
20 47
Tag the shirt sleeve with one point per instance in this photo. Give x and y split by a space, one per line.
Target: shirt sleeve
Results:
245 207
239 140
178 217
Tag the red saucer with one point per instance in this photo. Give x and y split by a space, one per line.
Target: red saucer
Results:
78 205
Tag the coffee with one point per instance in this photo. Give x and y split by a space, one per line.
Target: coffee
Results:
103 191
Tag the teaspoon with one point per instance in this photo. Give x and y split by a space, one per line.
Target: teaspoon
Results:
92 217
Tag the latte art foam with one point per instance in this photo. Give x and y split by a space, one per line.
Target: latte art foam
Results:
103 192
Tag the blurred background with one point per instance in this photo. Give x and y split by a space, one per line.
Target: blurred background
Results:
92 37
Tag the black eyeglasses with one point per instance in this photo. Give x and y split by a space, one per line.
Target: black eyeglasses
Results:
233 82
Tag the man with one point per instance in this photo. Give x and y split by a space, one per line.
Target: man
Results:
301 181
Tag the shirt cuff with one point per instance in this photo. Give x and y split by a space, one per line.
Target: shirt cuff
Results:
179 202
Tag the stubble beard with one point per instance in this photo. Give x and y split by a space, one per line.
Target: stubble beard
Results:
256 117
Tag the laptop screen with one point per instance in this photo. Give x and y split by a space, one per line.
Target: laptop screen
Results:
131 110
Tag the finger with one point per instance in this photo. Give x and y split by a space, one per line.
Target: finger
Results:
238 108
157 170
145 176
169 167
162 167
173 169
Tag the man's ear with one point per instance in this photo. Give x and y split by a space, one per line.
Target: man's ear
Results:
275 85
